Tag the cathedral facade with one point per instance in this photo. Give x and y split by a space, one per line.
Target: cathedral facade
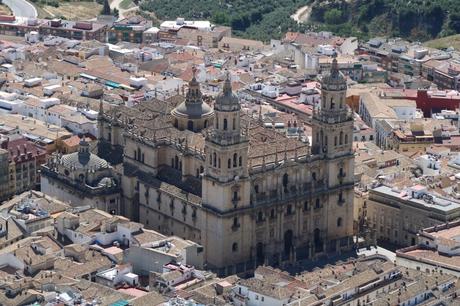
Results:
248 194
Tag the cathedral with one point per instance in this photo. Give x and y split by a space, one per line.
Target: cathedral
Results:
215 175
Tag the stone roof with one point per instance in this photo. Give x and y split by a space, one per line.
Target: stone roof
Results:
83 159
227 100
334 79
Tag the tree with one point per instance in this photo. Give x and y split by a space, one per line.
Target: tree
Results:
106 8
454 22
333 16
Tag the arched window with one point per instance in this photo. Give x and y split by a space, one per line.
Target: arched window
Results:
341 138
201 169
235 222
313 176
210 159
217 122
346 138
218 166
240 161
229 164
135 155
339 222
256 188
190 125
285 180
260 216
335 140
139 154
234 124
225 124
215 159
197 172
317 204
235 247
176 162
235 157
205 123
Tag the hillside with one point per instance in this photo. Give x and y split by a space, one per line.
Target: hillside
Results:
445 42
261 19
265 19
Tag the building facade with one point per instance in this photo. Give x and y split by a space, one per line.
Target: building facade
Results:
249 195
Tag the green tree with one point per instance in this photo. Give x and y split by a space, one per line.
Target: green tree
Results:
220 18
333 16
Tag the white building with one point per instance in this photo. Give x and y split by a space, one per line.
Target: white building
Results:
181 22
429 164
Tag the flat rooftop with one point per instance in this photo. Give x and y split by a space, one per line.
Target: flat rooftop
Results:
440 203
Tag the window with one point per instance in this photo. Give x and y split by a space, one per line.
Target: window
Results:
215 159
317 204
225 124
235 247
217 123
305 205
285 180
235 157
235 222
289 209
260 217
240 161
229 163
341 138
313 176
272 214
346 138
235 195
234 124
256 188
335 140
339 222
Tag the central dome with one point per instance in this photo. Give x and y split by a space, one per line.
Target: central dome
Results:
193 114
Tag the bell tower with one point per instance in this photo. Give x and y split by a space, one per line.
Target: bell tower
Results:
332 127
227 155
226 184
